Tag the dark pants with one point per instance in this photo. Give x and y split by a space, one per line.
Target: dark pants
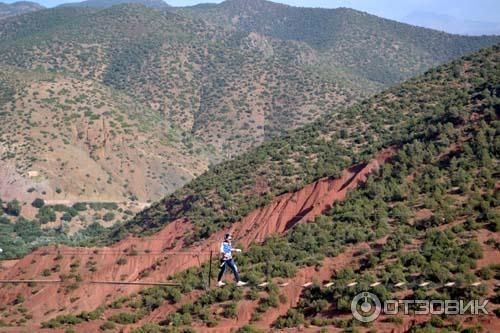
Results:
232 265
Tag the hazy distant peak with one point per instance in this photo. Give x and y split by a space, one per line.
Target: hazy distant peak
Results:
451 24
18 8
109 3
20 4
252 4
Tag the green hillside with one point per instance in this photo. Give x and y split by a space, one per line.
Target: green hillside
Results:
213 111
277 68
377 49
401 114
208 93
231 89
430 215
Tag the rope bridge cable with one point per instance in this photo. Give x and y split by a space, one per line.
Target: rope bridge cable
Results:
98 253
411 285
28 281
141 252
284 284
135 283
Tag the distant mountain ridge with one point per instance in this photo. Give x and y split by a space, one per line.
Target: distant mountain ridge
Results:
451 24
381 50
18 8
110 3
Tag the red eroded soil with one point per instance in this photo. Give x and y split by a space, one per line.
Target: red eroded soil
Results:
154 253
45 301
491 255
305 204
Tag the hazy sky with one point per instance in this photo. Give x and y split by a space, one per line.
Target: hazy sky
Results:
477 10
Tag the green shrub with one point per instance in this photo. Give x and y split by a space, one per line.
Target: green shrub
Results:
80 206
253 294
122 261
107 326
485 273
473 329
103 205
109 216
19 299
125 318
230 310
61 320
13 208
249 329
148 328
46 214
38 203
394 320
92 315
293 318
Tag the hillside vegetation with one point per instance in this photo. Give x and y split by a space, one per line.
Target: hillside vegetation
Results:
277 67
133 101
380 50
429 215
230 89
87 141
230 190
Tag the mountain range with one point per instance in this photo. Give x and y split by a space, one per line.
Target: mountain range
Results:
344 153
228 76
431 17
396 194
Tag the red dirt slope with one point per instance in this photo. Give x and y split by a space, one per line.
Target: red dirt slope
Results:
304 205
155 253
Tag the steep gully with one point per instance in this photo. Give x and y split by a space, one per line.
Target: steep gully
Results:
277 217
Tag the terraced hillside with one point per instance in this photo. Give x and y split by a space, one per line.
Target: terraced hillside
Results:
429 216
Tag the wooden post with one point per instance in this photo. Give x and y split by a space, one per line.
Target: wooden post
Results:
210 270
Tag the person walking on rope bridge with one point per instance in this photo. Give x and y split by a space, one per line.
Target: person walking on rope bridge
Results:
226 251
